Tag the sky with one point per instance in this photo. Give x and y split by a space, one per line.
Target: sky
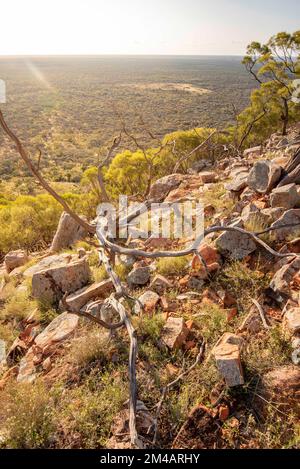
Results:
183 27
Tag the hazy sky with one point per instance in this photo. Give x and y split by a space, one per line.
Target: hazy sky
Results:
141 26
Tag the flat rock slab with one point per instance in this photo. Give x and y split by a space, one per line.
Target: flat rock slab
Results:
51 284
48 262
81 297
58 330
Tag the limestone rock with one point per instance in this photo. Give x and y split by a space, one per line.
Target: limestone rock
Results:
174 333
81 297
139 276
51 284
234 244
67 233
228 360
263 176
285 196
15 259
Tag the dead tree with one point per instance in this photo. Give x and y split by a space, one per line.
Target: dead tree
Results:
107 248
291 172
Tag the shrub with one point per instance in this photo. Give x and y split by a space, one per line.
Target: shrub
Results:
27 413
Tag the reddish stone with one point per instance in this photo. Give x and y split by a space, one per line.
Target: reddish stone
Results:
223 412
231 314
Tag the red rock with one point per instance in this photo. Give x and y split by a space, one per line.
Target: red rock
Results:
224 412
231 314
209 254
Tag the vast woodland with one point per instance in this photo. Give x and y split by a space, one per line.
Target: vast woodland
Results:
161 342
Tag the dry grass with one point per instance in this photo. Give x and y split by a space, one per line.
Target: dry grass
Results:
172 265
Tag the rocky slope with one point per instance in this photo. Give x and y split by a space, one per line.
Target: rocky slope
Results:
242 303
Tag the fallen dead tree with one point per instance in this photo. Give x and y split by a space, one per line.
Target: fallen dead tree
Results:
107 249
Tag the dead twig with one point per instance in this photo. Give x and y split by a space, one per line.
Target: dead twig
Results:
261 313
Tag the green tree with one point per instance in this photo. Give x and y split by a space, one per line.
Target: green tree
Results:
275 66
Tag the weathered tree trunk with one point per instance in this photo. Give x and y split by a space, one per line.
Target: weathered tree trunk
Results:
285 117
291 173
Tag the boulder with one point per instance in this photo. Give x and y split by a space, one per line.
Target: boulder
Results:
235 245
228 360
292 320
291 217
57 331
161 188
68 232
139 276
81 297
285 196
174 333
263 176
283 277
15 259
52 283
148 300
160 284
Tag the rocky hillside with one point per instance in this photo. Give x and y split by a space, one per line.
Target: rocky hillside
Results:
218 332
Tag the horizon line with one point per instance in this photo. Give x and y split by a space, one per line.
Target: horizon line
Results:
118 55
